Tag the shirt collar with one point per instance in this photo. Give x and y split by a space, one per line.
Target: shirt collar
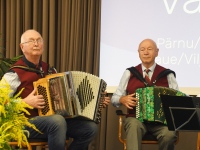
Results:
152 68
30 64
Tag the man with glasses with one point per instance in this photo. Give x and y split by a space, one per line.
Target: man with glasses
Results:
54 127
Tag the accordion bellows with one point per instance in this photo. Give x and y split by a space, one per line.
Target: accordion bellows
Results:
72 94
149 107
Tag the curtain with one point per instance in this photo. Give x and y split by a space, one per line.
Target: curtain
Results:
70 29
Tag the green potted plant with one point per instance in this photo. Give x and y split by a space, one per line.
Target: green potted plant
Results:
6 63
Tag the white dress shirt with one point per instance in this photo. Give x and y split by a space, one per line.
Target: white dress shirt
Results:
121 89
13 80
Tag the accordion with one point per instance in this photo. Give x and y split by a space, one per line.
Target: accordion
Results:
72 94
149 107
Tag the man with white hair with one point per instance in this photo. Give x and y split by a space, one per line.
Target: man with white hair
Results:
54 127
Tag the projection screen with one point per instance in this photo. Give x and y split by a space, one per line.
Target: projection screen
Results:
173 24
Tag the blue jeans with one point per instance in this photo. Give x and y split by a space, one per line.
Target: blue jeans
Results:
55 128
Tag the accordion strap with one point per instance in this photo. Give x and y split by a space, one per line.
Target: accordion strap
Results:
28 69
25 68
164 73
41 72
139 76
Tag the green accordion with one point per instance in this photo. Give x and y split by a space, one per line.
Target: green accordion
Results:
149 107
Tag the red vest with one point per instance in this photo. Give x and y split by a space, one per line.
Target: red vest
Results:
27 78
135 83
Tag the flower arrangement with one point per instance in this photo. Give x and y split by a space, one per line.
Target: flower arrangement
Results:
12 118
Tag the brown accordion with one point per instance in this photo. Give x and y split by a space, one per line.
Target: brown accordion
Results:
72 94
149 107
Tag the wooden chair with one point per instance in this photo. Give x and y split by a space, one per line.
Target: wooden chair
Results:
147 139
35 142
198 141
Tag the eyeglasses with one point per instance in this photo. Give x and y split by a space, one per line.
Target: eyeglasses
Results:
39 41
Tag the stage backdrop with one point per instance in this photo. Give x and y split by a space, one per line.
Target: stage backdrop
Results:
173 24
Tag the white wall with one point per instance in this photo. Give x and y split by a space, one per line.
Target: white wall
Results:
173 24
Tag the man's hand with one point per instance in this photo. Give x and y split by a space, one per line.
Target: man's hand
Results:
129 101
36 101
106 100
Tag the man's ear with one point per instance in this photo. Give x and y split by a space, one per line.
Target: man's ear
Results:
21 46
157 50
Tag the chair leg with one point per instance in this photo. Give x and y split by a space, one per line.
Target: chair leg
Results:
124 146
29 147
198 141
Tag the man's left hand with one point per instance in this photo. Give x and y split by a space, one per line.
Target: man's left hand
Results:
106 100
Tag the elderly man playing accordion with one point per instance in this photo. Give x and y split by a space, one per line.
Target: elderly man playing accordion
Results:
126 95
55 127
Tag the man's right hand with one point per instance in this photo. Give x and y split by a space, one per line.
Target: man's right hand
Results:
36 101
129 101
